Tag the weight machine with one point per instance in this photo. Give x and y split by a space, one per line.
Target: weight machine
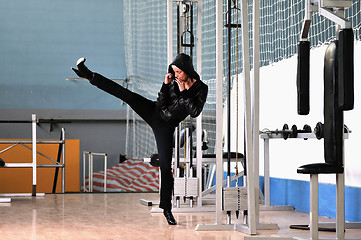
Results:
189 186
228 198
338 97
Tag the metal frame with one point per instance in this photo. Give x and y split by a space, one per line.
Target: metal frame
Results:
333 10
34 164
251 123
198 43
91 169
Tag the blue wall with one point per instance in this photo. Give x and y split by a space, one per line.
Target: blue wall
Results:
296 193
41 40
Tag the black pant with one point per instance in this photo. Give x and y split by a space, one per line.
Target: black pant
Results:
163 133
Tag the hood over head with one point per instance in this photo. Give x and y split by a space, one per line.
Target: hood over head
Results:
184 62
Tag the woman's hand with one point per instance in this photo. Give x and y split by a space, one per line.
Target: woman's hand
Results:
168 78
181 84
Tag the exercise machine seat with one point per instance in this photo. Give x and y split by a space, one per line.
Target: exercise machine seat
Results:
320 168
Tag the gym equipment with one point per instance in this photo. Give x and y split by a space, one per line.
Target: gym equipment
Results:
336 89
319 130
333 146
345 69
235 199
286 132
187 186
90 169
251 124
33 164
303 78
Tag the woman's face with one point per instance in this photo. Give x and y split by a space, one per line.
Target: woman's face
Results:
179 74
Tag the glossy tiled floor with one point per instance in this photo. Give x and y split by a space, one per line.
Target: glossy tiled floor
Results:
121 216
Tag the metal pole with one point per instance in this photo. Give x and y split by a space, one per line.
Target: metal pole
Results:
266 173
219 110
63 162
248 121
91 173
34 153
229 32
255 110
84 186
229 19
199 118
105 171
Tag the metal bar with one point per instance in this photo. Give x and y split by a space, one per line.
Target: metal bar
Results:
57 169
9 148
84 79
63 162
229 32
84 156
211 189
219 110
192 45
314 206
178 30
91 169
34 153
266 173
199 118
5 200
299 136
105 171
39 121
248 121
43 155
30 165
170 30
340 206
255 99
30 141
21 195
334 18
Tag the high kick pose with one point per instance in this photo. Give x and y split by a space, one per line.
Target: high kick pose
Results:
182 94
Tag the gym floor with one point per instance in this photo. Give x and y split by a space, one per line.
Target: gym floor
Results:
121 216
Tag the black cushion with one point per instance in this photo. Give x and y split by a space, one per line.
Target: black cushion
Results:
318 168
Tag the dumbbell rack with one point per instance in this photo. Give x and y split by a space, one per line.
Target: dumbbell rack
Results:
266 138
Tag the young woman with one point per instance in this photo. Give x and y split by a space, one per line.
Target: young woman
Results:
182 94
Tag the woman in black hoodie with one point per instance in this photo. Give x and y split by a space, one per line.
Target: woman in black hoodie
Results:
182 94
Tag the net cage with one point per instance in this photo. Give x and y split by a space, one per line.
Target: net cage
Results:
145 33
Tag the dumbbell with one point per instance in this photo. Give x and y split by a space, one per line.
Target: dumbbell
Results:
319 130
292 133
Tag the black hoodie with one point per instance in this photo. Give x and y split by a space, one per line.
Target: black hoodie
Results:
175 106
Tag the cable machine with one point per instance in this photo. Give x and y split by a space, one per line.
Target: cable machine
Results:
228 198
188 180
